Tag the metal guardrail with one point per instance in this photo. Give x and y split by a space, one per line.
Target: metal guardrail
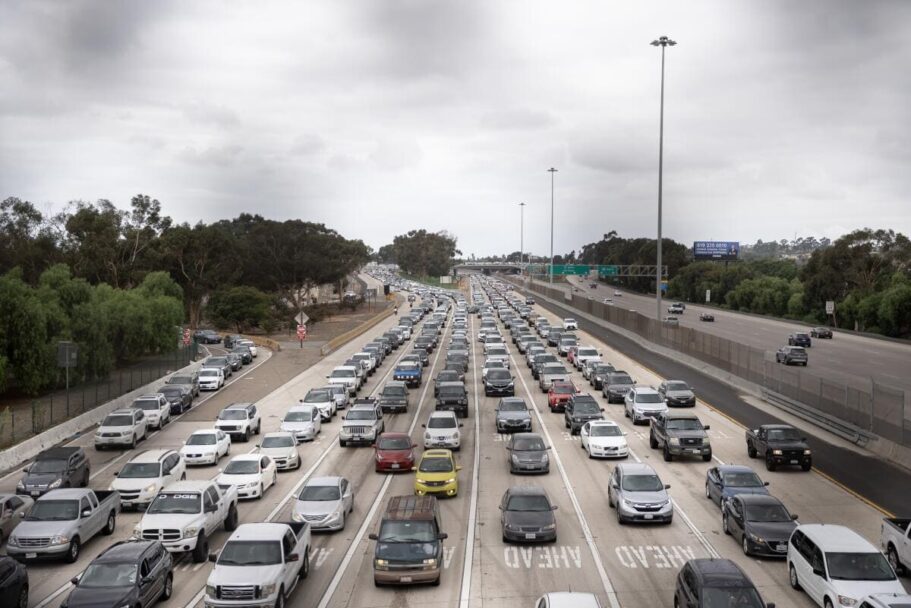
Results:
845 430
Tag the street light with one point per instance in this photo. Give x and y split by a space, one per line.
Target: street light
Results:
663 42
551 171
521 233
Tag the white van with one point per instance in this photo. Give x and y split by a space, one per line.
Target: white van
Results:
836 566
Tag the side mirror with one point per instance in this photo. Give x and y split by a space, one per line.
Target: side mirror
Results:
794 516
602 409
550 447
75 580
25 470
116 473
414 445
706 427
414 468
803 439
624 433
294 557
500 507
461 425
458 467
766 483
667 486
770 605
372 536
423 426
213 557
86 513
554 508
443 536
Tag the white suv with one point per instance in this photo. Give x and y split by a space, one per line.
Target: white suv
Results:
142 477
345 375
442 431
569 324
584 354
157 409
239 420
836 566
211 378
121 428
642 404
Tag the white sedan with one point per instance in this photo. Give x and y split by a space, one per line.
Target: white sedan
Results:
251 474
604 439
206 447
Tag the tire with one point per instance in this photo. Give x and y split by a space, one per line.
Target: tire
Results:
343 521
707 457
725 527
85 479
133 443
745 546
792 577
231 521
168 590
806 467
652 443
280 600
894 561
298 463
343 443
262 490
110 525
201 550
246 435
22 602
668 457
436 582
707 493
72 555
751 451
769 465
305 568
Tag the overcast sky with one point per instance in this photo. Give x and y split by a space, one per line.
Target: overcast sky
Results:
376 117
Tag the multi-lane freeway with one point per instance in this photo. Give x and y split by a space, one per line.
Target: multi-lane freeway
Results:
633 566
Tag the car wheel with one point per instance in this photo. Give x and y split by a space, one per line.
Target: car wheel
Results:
262 490
23 597
751 451
792 577
72 556
668 457
168 587
342 443
183 477
745 545
110 525
280 600
892 556
201 550
231 520
769 464
133 443
653 443
725 526
246 435
707 457
707 493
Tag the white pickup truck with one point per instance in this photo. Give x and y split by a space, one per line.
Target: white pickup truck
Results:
185 514
896 542
260 565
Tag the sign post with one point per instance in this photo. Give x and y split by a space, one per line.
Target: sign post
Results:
302 333
708 296
67 356
830 311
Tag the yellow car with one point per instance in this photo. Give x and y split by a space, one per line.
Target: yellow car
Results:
437 473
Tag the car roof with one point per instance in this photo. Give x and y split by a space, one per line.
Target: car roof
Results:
278 434
125 551
259 531
151 455
777 426
238 406
437 454
835 538
122 411
603 423
57 453
328 480
676 415
526 491
719 572
635 468
734 468
443 414
254 457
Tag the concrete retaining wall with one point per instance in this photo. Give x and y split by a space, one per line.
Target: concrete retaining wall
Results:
337 341
28 449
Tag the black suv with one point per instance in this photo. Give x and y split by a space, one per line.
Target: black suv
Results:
13 583
715 582
55 468
579 410
800 339
129 573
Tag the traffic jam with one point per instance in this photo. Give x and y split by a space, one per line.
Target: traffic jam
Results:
478 450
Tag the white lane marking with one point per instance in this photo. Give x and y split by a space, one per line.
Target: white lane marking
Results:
659 556
465 590
349 554
586 531
554 556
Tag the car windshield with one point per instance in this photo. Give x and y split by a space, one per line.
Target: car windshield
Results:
528 503
435 465
319 493
407 532
606 430
180 380
360 415
201 439
299 416
741 479
677 386
175 503
803 336
393 443
784 435
318 396
648 398
233 414
394 391
452 391
586 407
216 361
642 483
140 470
498 374
441 422
587 352
528 444
767 513
251 553
208 372
684 424
119 420
448 376
859 567
147 405
98 576
282 441
513 406
242 467
563 389
44 467
54 510
170 391
337 390
731 597
490 365
797 350
343 373
620 379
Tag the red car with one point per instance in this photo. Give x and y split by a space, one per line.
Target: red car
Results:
394 452
571 354
559 394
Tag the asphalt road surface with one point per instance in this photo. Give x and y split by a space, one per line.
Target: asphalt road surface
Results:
628 566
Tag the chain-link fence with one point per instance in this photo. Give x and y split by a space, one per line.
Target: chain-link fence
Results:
872 406
24 418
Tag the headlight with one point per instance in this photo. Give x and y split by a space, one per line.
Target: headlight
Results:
776 452
191 531
125 433
515 459
210 591
549 527
150 488
268 589
297 516
457 435
451 480
430 562
21 484
54 484
12 541
674 441
137 531
844 600
755 538
381 564
427 436
807 452
60 540
544 458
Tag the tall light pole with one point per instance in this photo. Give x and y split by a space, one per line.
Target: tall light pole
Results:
521 233
663 42
552 171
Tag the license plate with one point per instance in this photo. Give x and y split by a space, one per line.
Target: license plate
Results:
696 451
393 466
795 461
31 555
782 547
405 579
36 493
648 516
530 536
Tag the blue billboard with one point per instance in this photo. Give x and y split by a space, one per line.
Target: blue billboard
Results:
716 250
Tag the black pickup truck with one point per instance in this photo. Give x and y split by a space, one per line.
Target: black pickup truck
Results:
780 445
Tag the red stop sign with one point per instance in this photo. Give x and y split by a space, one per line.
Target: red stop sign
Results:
301 332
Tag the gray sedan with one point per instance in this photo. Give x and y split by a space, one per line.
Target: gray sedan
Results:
527 453
527 515
324 503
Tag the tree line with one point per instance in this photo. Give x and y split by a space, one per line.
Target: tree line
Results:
421 253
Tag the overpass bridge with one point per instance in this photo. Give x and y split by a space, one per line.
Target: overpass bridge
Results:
475 267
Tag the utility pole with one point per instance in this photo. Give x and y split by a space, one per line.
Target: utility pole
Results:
552 171
521 233
663 42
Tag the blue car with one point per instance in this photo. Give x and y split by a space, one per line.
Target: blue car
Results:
727 480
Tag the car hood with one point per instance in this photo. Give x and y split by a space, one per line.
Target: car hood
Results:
529 455
99 598
729 491
619 387
134 484
317 507
772 531
499 381
679 394
42 528
652 407
528 518
296 426
169 520
645 497
607 442
237 480
788 445
446 432
349 423
860 589
244 575
122 429
513 416
396 455
40 479
278 452
199 449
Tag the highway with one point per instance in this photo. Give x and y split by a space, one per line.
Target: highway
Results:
845 356
628 566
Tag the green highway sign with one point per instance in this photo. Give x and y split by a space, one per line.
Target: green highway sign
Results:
608 271
579 269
